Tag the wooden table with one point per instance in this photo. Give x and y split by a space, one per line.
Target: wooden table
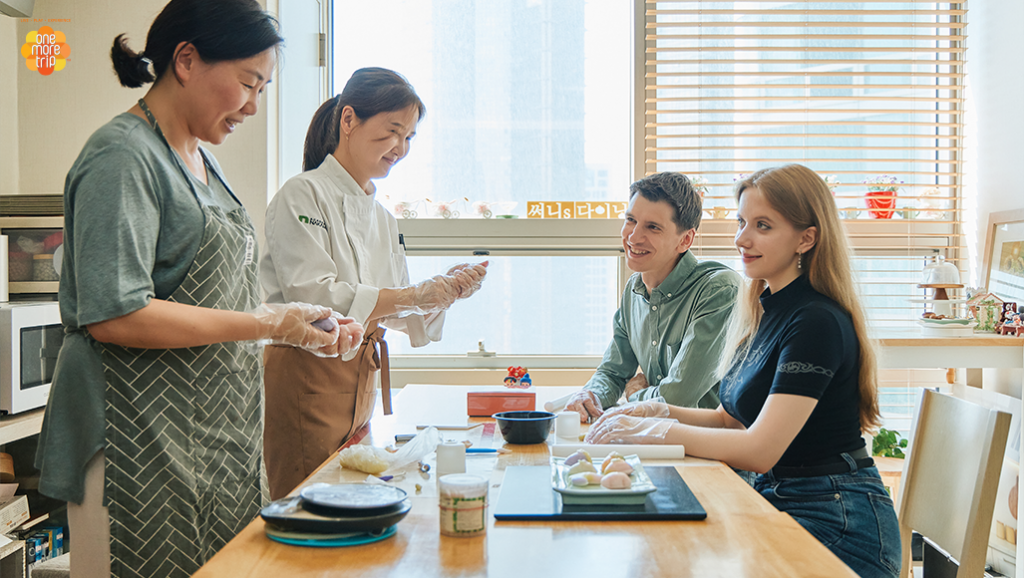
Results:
743 534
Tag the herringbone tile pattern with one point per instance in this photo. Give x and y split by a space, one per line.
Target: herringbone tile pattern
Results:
184 465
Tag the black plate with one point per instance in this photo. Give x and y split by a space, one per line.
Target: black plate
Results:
353 496
289 514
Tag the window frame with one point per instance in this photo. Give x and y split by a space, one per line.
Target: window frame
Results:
600 237
481 238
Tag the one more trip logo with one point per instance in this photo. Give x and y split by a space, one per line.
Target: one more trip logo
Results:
313 221
45 50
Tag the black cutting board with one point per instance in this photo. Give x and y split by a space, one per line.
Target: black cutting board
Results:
526 494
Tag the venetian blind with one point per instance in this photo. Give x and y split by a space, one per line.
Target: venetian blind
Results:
857 91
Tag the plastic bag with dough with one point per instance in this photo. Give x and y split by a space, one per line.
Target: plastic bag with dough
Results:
368 459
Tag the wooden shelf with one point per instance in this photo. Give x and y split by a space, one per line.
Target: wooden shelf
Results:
21 425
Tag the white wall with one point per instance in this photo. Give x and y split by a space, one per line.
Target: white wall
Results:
57 113
995 77
8 106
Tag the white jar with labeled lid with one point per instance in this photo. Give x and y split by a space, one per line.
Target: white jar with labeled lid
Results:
463 502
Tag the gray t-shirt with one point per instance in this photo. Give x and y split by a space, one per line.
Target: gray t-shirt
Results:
131 224
132 227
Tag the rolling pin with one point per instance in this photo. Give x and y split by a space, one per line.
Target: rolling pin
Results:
557 405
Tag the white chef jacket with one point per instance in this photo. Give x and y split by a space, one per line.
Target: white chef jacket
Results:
331 244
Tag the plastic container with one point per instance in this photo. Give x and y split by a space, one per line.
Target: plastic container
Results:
463 502
42 268
19 266
567 427
451 458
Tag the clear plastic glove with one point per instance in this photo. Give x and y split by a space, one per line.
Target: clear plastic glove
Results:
430 296
350 333
626 429
586 403
292 324
472 279
648 408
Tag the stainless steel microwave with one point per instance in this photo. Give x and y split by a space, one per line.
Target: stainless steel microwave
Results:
31 335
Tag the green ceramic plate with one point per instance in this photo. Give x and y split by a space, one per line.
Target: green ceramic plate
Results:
963 322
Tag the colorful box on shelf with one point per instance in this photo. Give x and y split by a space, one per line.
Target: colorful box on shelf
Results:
487 401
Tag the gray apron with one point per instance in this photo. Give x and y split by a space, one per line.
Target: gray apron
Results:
184 471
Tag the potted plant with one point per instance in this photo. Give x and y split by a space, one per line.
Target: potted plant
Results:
888 444
831 181
881 196
700 184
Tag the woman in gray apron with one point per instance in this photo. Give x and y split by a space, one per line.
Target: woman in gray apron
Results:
153 428
329 241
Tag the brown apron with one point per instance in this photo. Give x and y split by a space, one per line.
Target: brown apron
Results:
315 404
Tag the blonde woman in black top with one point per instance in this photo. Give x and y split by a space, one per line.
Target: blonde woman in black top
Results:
799 383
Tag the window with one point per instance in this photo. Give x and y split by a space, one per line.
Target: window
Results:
526 100
530 100
857 91
528 306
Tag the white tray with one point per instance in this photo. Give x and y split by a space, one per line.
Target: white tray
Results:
595 493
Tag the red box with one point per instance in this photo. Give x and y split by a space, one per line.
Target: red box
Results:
487 402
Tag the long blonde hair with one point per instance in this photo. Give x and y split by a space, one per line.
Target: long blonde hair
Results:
803 199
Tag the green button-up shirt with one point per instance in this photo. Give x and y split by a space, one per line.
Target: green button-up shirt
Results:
675 335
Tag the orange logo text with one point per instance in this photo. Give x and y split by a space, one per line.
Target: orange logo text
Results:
45 50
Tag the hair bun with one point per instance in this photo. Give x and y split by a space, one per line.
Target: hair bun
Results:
132 68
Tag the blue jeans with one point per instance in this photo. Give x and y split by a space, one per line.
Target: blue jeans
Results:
850 513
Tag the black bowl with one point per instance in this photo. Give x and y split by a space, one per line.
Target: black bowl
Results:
525 427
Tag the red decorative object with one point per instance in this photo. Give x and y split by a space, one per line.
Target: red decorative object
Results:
881 204
518 378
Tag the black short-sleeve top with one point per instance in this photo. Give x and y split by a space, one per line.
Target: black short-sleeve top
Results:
805 345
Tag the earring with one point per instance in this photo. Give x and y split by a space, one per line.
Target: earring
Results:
799 260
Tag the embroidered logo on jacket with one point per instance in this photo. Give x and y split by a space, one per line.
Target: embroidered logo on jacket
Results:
314 222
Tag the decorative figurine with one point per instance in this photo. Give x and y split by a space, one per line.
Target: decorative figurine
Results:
446 209
518 378
987 309
483 208
1012 325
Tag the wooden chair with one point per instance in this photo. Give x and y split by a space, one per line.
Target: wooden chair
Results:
950 479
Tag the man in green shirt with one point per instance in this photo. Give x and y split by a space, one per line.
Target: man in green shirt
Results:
672 320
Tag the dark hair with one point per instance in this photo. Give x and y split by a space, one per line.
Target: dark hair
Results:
219 29
676 190
369 92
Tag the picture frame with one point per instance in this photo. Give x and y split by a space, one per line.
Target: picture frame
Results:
1003 267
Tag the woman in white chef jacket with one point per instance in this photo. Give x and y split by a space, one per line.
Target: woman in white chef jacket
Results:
330 242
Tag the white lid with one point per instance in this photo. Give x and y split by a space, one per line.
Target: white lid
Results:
462 485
